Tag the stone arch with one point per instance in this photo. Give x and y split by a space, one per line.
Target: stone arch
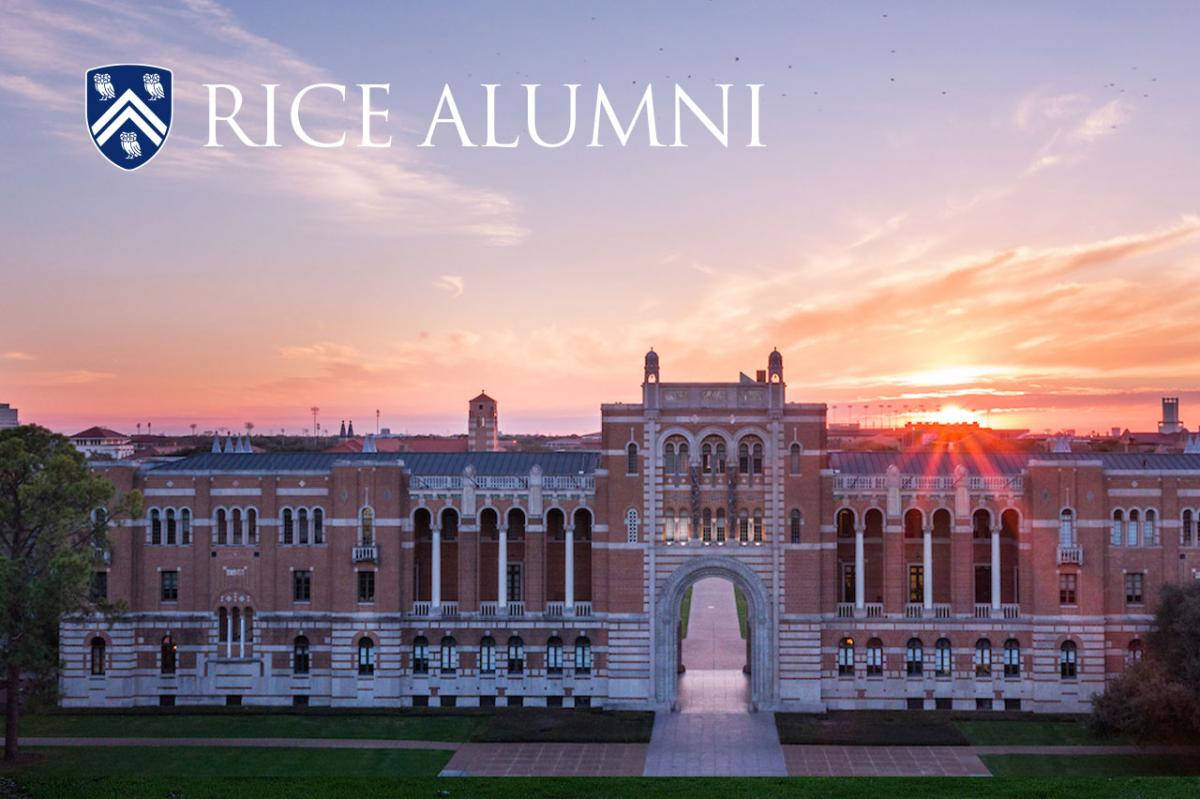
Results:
760 621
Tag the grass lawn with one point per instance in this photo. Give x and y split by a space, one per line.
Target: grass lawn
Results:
685 613
932 728
512 724
1093 765
740 601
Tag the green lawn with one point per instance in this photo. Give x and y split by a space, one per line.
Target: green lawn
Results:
511 724
1092 765
740 601
932 728
685 613
1032 732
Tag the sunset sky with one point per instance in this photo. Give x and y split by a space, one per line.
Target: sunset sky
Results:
989 206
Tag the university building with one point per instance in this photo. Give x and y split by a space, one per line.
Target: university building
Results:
929 580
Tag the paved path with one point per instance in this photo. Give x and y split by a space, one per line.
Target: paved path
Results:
547 760
714 640
883 761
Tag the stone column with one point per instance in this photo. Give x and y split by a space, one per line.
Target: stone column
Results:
859 570
569 573
502 572
435 592
242 634
927 559
996 569
229 634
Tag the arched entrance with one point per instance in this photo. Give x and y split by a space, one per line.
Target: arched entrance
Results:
760 621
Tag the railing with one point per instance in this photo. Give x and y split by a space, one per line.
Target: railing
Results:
487 610
1010 610
1016 483
449 610
433 482
516 609
1073 555
502 482
420 608
845 610
915 482
554 610
366 554
583 609
914 610
983 610
873 610
569 482
941 610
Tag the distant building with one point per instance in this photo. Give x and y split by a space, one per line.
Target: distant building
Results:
8 416
483 425
100 442
1170 416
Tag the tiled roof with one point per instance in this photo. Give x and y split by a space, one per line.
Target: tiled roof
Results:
99 432
998 463
420 463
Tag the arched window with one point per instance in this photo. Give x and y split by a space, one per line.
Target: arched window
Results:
516 524
489 525
222 532
631 459
706 524
366 527
983 658
302 526
683 461
487 655
981 524
554 655
252 526
845 523
874 657
719 526
943 660
1068 660
516 655
706 457
156 530
318 517
171 526
631 526
758 526
420 652
448 655
1135 651
845 657
1012 658
795 522
1118 527
300 656
1150 529
1066 528
913 523
743 458
583 655
794 458
366 656
668 531
1187 532
236 526
167 659
720 457
289 526
670 464
743 526
582 519
1133 529
185 527
684 526
97 656
450 523
914 657
756 458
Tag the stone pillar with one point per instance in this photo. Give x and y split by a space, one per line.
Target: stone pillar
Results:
927 559
435 592
242 634
502 572
859 570
229 634
996 569
569 571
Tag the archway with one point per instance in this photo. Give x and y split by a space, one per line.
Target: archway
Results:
760 632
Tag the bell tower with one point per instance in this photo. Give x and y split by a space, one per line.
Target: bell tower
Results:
483 424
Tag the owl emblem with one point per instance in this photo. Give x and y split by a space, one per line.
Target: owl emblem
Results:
153 84
129 143
104 87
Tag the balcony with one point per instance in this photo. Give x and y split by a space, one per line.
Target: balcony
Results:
583 609
941 610
1070 555
914 610
983 610
845 610
488 610
1010 610
420 608
449 610
873 610
366 554
554 610
516 610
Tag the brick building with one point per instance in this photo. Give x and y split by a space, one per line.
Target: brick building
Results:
966 579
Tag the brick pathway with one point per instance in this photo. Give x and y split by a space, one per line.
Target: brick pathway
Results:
547 760
883 761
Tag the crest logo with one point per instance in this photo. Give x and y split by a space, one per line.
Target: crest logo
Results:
129 111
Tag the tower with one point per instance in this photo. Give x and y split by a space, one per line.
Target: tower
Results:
483 424
1170 416
650 381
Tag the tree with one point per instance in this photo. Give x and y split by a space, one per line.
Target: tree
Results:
49 539
1158 698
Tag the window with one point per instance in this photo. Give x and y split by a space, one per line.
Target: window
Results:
583 655
302 526
97 656
289 526
1132 529
1134 583
845 658
185 527
251 526
236 526
420 655
1135 651
669 461
743 527
631 526
794 459
171 526
366 656
448 655
487 655
516 655
1067 584
874 657
300 656
222 531
1118 528
515 584
983 658
1150 529
1066 528
942 660
302 585
916 583
366 527
366 586
98 591
758 526
706 524
170 586
1012 658
756 458
554 656
222 625
166 663
318 517
794 525
743 458
631 459
914 657
155 526
1187 531
1068 660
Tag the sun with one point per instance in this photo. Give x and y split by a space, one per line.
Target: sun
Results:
954 414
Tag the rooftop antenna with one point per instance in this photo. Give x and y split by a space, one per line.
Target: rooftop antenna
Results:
376 421
314 410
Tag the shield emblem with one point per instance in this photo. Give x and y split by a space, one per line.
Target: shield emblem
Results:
129 111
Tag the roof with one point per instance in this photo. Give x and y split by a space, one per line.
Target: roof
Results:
439 444
482 396
99 432
419 463
999 463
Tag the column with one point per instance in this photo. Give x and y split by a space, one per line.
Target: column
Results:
502 572
242 634
996 569
859 571
229 634
927 559
435 590
569 573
